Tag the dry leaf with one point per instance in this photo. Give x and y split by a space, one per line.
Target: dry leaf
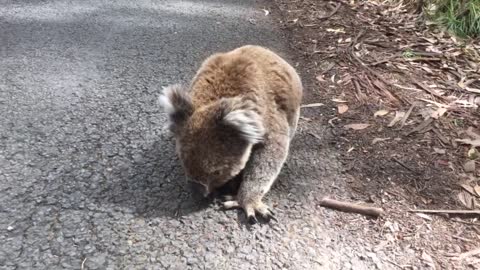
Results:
468 188
424 216
342 108
339 100
427 69
356 126
477 190
320 78
380 113
474 143
337 30
469 166
439 151
427 259
431 40
312 105
398 116
376 140
438 113
466 199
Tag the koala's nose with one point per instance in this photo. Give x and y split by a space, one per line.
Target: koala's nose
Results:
199 189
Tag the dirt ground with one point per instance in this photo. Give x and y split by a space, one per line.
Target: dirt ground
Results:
401 100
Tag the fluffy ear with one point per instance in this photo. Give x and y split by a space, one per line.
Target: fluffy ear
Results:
176 102
247 123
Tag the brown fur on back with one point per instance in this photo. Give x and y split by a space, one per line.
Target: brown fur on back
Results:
252 72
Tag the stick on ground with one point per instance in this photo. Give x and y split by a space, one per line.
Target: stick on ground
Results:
351 207
443 211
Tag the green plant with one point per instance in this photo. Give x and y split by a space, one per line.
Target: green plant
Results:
462 17
408 53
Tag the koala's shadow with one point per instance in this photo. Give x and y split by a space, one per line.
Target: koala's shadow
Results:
151 183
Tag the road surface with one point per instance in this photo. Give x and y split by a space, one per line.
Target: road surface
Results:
88 176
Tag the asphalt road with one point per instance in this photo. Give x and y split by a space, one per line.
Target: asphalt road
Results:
88 176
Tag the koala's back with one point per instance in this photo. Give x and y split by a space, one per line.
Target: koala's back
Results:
254 73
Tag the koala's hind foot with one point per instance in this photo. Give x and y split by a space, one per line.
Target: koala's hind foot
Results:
251 208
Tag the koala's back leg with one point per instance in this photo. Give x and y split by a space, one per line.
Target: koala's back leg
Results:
258 176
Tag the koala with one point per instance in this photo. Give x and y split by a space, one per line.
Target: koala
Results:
238 115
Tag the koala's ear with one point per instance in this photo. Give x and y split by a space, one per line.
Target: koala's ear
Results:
246 122
176 102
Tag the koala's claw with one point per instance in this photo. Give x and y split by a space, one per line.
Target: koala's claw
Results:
250 209
252 220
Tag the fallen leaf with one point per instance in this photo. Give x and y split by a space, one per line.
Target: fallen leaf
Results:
428 260
427 69
350 149
339 100
438 113
342 108
477 190
336 30
468 188
439 151
320 78
466 199
376 140
305 118
474 143
469 166
424 216
431 40
356 126
380 113
312 105
398 116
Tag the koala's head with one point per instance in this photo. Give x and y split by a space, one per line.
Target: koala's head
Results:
214 141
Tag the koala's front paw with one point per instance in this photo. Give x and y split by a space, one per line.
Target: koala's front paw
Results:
250 209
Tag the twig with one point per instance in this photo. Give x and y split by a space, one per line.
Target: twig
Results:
430 91
312 105
83 263
420 127
351 207
314 135
360 95
405 117
445 211
461 238
404 165
395 98
470 253
465 222
337 7
388 59
396 264
420 59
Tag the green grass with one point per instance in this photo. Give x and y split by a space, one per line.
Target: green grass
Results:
462 17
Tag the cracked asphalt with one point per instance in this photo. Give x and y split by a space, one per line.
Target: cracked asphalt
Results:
88 175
